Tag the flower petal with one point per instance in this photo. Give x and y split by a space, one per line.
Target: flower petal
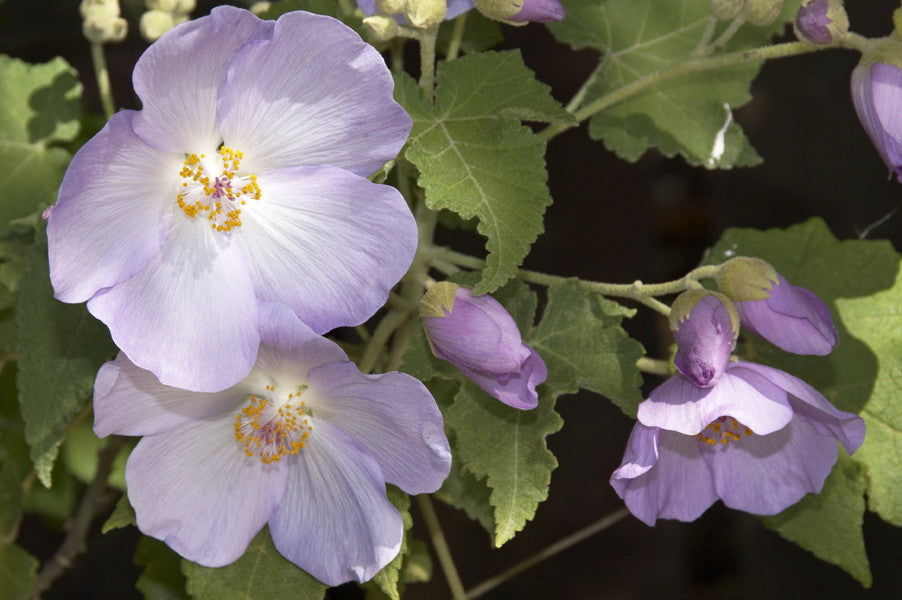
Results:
335 521
765 474
179 76
113 212
392 416
194 488
680 405
809 404
881 81
314 94
327 243
129 400
190 317
516 389
663 476
289 349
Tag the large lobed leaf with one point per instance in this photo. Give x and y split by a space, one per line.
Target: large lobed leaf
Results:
474 156
690 115
859 281
40 107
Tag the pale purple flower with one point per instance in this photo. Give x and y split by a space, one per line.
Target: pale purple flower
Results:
704 342
479 337
792 318
305 444
877 94
538 11
242 180
759 439
812 22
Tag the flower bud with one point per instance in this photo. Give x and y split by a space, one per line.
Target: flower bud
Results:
391 7
258 8
521 11
383 27
762 12
788 316
154 23
479 337
103 27
424 14
705 325
821 21
726 10
162 5
876 95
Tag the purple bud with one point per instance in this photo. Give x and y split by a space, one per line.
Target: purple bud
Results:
877 94
812 21
521 11
791 318
479 337
705 337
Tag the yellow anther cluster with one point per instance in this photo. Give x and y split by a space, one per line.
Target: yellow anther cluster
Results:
269 432
220 199
723 430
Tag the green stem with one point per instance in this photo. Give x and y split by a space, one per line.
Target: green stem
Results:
456 37
441 547
653 366
727 35
710 27
103 79
387 326
427 61
555 548
694 65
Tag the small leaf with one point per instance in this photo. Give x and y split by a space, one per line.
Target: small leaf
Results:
162 578
17 572
62 347
260 574
123 515
476 159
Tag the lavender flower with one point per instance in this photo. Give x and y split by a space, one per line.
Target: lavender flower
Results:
479 337
876 94
305 443
513 11
242 180
790 317
759 439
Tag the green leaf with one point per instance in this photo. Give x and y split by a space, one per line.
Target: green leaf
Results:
476 159
690 114
79 454
480 34
14 462
841 504
17 572
260 574
62 347
162 578
388 578
859 281
583 346
123 515
461 489
40 107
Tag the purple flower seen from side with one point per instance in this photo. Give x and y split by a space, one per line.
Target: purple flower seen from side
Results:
479 337
759 439
704 342
812 21
305 444
877 94
242 180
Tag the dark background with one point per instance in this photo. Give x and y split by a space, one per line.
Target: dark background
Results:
611 221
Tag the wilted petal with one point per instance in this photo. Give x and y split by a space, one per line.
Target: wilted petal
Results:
765 474
194 488
335 521
114 210
314 94
392 416
179 76
326 243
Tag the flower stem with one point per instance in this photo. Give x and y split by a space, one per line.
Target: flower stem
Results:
685 67
653 366
103 79
456 36
394 319
427 61
441 547
555 548
95 501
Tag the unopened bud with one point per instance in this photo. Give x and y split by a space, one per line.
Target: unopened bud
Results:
726 10
154 23
89 8
102 27
162 5
684 304
185 7
746 278
426 13
391 7
821 22
518 12
762 12
259 8
382 27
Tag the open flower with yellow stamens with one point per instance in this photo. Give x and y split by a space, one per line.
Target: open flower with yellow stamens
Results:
753 436
241 180
305 443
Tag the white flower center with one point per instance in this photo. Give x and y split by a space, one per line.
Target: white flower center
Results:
220 197
723 430
270 429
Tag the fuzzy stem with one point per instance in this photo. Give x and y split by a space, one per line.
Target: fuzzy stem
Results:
456 37
441 547
103 79
427 61
653 366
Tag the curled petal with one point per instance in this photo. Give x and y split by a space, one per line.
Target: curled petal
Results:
335 521
517 388
194 488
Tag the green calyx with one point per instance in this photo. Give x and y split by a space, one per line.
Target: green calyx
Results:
746 278
885 50
499 10
762 12
685 303
438 300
